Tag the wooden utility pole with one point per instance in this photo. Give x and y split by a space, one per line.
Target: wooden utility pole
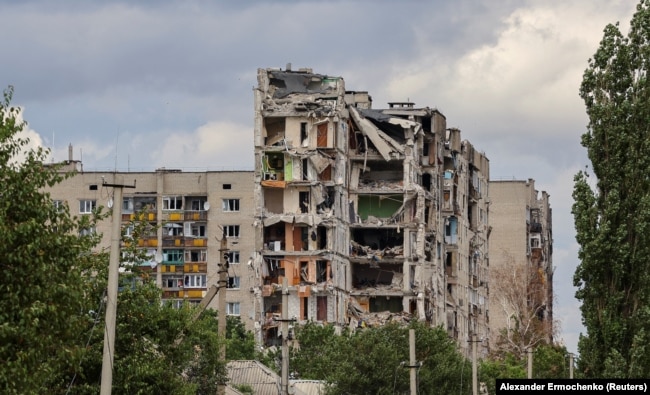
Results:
223 284
113 282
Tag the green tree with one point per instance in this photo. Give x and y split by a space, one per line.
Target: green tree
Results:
613 219
374 360
550 361
43 260
508 366
159 349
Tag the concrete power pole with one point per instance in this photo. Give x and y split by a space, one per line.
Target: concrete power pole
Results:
530 362
223 284
570 365
412 363
113 282
474 366
285 335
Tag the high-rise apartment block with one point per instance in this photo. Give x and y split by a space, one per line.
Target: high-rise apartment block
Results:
189 213
368 213
521 243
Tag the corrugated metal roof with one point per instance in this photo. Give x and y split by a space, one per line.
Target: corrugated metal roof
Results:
231 391
263 380
309 387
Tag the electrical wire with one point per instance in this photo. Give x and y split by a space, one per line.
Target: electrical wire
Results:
96 319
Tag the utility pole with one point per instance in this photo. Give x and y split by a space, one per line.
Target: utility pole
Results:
474 366
530 362
570 365
285 335
412 365
113 280
223 284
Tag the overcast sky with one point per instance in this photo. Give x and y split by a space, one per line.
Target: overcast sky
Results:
146 84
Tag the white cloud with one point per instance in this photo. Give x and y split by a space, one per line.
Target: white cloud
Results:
34 140
531 72
217 145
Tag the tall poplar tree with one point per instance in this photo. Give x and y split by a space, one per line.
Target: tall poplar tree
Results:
612 212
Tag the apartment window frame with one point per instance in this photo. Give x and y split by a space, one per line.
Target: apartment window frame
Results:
91 230
173 282
168 254
230 205
232 231
127 230
87 206
58 205
198 230
197 203
127 205
195 281
201 255
234 257
234 282
172 203
233 308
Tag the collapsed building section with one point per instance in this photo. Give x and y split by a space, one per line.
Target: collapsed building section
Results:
301 197
362 210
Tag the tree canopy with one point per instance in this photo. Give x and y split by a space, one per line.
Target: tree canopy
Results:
44 260
612 212
52 295
374 360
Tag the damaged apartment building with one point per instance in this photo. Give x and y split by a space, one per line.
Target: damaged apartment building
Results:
371 215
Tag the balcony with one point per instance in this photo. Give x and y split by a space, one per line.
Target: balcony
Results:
139 217
535 227
148 242
195 215
175 215
171 268
194 293
172 294
173 241
195 267
196 242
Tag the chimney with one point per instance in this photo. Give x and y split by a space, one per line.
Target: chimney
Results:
70 152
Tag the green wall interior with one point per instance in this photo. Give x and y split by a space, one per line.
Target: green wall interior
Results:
384 208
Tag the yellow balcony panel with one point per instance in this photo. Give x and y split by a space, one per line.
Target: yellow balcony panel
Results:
195 293
200 242
175 217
